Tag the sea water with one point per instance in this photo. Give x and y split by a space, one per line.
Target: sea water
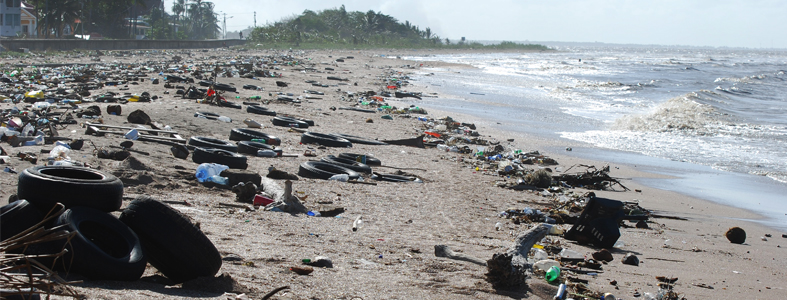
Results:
714 118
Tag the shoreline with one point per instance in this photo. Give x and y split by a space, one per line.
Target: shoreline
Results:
696 171
392 255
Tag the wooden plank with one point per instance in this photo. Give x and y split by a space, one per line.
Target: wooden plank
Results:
129 128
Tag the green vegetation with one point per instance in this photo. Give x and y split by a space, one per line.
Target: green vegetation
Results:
337 28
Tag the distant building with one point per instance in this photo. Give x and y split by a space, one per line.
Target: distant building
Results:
10 18
29 20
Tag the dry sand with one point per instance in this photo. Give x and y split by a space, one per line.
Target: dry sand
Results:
392 256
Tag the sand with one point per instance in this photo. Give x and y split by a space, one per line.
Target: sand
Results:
392 256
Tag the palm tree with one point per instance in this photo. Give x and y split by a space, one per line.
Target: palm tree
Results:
178 8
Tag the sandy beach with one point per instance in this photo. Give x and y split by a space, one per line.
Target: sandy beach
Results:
392 255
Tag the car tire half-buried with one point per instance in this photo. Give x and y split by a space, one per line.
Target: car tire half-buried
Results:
323 170
220 156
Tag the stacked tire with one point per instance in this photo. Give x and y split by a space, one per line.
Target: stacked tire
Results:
104 247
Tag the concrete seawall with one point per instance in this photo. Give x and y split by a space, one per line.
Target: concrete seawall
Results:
71 44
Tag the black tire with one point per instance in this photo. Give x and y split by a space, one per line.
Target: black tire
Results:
206 115
206 142
369 160
394 178
289 122
103 247
43 186
224 87
359 140
326 140
16 217
243 134
323 170
249 147
220 156
256 109
172 243
229 104
348 163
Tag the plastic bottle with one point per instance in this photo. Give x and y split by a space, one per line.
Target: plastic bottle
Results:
255 97
570 254
442 147
340 177
268 153
561 291
545 264
540 255
218 179
358 223
553 273
259 141
225 119
207 170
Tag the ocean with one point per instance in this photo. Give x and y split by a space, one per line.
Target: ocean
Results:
713 118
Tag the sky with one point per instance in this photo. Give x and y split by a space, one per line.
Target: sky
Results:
716 23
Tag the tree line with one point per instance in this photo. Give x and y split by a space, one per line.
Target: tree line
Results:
338 28
192 19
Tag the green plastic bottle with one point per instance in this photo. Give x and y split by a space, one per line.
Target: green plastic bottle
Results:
552 274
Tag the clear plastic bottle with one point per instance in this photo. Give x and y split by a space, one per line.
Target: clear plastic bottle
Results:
267 153
358 223
218 179
207 170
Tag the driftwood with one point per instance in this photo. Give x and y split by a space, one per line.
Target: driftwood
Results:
510 269
444 251
592 178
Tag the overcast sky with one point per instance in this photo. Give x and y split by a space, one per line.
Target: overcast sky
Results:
732 23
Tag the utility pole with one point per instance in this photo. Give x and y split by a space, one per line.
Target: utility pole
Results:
255 19
82 18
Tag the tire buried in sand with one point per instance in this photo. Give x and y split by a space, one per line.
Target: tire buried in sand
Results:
354 156
348 163
219 156
249 147
326 140
323 170
243 134
207 142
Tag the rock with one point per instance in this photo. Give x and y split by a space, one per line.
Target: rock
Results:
603 255
322 262
642 224
630 259
245 192
302 270
138 117
180 151
278 174
736 235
